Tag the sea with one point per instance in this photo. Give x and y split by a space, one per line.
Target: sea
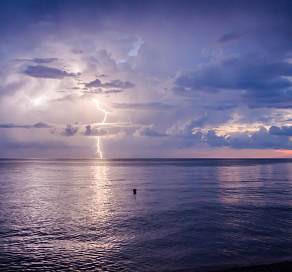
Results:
187 214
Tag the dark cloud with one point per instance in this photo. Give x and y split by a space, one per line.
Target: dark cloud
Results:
69 131
88 130
95 83
221 107
187 130
39 60
178 9
53 131
14 126
95 131
113 84
112 91
196 123
101 91
245 73
149 132
263 80
261 139
44 60
213 140
78 51
37 125
46 72
41 125
143 106
229 37
278 99
195 138
287 131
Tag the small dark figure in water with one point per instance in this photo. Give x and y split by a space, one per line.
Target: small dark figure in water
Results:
134 191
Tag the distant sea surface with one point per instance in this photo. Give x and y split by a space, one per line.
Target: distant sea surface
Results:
187 215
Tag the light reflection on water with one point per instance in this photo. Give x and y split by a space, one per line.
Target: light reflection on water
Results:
187 214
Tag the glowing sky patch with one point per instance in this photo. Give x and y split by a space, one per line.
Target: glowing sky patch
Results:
136 47
36 101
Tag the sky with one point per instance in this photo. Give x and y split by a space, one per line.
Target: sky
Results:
145 79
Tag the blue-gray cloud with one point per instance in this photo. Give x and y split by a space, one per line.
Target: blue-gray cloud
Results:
143 106
148 132
95 131
117 83
221 107
37 125
46 72
213 140
229 37
260 139
69 131
264 81
286 131
101 91
44 60
187 130
39 60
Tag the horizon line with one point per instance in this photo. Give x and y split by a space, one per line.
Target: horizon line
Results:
151 158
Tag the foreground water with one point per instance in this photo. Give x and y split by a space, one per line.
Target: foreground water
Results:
187 215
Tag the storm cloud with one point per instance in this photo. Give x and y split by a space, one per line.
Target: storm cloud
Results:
285 131
229 37
148 132
175 78
69 131
95 131
143 106
46 72
37 125
264 82
113 84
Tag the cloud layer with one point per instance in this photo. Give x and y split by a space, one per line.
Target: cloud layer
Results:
173 79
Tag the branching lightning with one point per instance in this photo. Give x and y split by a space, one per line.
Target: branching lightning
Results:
104 111
98 144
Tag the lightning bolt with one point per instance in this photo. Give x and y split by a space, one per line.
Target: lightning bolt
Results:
35 102
98 144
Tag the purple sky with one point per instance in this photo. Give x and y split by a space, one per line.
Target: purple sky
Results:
175 78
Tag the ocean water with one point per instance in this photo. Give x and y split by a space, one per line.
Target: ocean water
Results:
187 215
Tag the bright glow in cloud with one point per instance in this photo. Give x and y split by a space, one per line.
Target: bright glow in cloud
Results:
136 47
36 102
